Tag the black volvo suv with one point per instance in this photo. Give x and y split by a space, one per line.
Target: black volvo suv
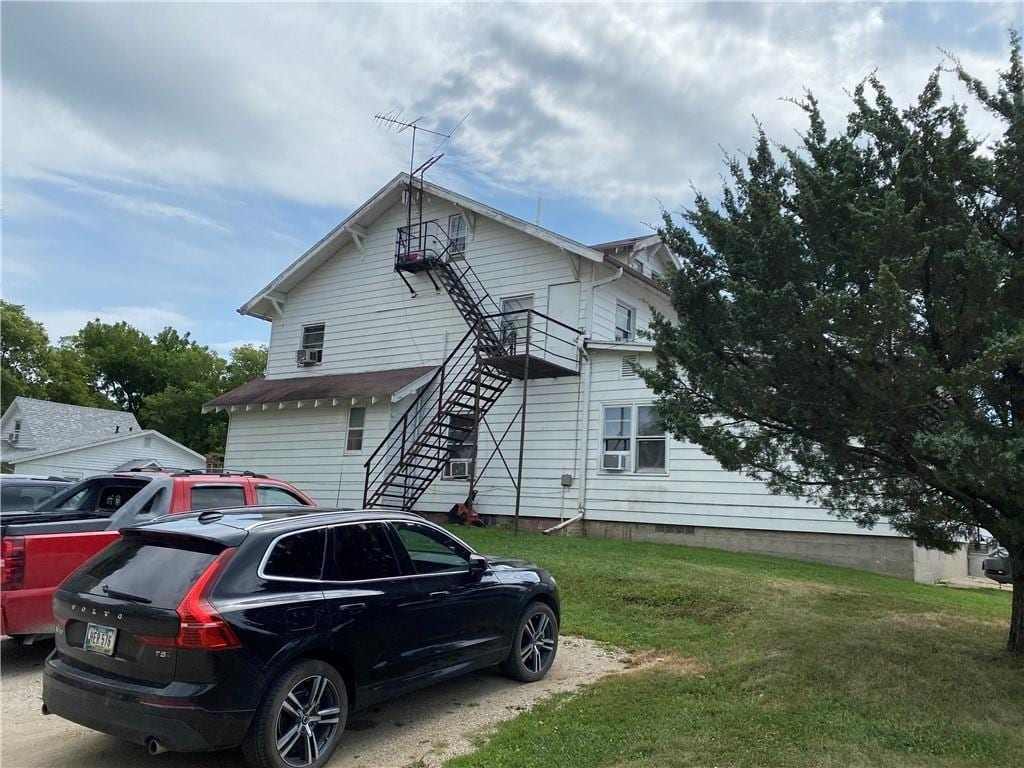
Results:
266 627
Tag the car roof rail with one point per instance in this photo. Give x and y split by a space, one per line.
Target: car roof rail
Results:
218 473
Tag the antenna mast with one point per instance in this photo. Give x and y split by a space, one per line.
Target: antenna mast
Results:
392 121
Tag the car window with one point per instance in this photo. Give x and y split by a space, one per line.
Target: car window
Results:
431 550
297 556
360 552
271 495
18 497
101 496
210 496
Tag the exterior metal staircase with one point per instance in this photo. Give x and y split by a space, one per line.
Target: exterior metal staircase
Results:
418 446
497 348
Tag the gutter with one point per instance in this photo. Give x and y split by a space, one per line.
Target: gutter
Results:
587 378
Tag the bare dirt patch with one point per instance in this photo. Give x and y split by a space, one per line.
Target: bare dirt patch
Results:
680 665
423 729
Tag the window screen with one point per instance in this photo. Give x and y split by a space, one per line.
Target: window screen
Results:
361 552
650 440
211 496
298 556
457 231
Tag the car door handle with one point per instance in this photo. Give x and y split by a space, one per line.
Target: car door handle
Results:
442 593
352 608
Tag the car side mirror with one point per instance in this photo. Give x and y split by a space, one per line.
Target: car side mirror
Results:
477 566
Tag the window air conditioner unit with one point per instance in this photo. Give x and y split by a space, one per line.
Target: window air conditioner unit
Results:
308 356
458 469
615 462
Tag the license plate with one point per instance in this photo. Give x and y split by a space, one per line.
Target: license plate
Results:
100 639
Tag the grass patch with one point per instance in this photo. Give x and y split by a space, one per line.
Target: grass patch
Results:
767 662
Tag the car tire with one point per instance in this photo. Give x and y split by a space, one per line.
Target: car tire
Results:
534 644
300 720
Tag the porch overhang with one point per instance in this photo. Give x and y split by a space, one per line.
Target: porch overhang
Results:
329 390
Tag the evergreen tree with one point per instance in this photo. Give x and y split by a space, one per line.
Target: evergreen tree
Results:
851 318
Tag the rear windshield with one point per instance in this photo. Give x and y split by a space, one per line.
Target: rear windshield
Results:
102 496
21 497
161 572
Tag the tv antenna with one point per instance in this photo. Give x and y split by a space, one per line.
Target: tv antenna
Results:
393 121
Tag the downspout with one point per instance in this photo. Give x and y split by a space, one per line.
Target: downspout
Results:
581 470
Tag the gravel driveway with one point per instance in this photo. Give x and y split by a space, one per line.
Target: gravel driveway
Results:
428 726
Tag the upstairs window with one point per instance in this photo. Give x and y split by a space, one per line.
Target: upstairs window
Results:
312 350
514 318
457 232
356 424
638 265
625 322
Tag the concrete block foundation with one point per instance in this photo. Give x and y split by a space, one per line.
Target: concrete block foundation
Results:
888 555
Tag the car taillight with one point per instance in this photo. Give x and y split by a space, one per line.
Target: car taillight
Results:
12 562
200 626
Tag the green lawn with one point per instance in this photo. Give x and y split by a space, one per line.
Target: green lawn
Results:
796 665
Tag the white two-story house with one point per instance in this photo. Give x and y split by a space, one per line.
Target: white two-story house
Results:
408 343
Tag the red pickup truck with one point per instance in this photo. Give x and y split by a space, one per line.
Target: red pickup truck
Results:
41 547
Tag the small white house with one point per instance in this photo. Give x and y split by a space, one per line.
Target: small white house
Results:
407 343
40 437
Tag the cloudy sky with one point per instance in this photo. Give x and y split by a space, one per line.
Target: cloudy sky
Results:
161 163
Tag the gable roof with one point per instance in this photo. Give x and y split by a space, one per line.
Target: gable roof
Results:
116 439
56 426
618 253
261 304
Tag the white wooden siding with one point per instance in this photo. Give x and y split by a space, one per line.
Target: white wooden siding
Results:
97 459
630 291
374 323
306 446
696 489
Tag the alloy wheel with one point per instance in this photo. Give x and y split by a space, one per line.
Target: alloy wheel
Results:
307 721
537 643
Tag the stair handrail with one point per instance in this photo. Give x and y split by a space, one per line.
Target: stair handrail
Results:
424 388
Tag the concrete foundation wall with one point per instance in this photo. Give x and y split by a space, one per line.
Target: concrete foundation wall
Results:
886 555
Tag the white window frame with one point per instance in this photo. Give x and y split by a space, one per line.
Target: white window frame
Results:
458 242
516 323
634 439
323 338
350 430
620 304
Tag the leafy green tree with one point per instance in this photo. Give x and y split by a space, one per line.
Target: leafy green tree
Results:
850 318
122 360
69 380
22 354
247 362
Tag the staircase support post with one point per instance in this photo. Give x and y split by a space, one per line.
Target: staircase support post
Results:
522 422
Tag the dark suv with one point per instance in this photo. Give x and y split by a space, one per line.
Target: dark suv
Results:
265 627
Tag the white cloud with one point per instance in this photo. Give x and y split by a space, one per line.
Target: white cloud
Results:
151 320
619 106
